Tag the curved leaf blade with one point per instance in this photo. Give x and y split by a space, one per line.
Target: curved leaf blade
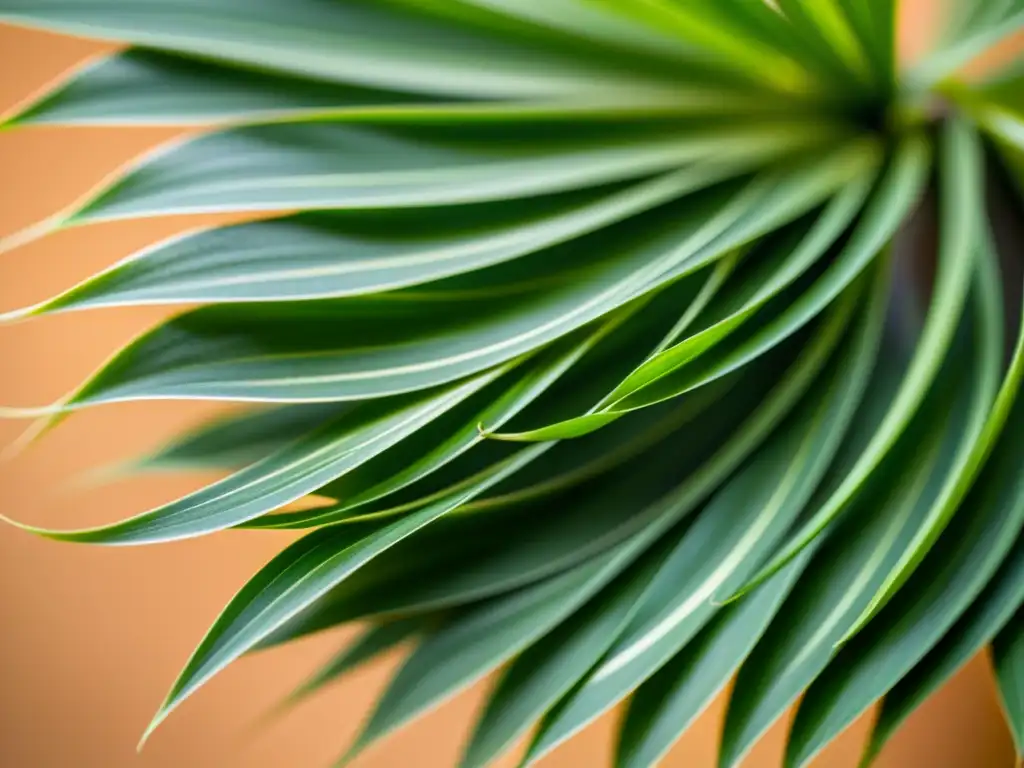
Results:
297 577
332 165
284 476
362 43
1008 654
330 256
962 168
375 641
992 609
665 705
955 572
729 538
486 636
546 670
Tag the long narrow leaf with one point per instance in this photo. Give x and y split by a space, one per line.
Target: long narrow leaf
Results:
294 579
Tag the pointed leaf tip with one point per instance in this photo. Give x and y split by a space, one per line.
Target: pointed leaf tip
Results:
32 232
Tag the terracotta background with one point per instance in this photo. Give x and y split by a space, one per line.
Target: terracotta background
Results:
91 638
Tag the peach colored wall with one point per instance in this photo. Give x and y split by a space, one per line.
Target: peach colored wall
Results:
90 638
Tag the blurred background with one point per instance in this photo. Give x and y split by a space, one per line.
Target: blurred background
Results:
91 638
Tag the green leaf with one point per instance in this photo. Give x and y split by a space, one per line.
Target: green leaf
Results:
866 669
642 495
391 343
233 441
486 636
665 374
284 476
1008 654
546 670
333 165
561 471
961 188
874 22
990 23
143 87
954 573
748 35
375 641
809 249
408 584
573 463
668 703
453 434
372 44
620 23
332 255
736 530
616 350
991 609
297 577
989 411
825 25
849 563
373 453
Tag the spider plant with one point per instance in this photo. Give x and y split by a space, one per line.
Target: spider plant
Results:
627 346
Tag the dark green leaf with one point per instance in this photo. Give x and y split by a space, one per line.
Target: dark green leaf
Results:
666 704
1008 653
951 576
681 368
408 584
486 636
991 610
297 577
551 666
233 441
327 255
961 187
375 346
737 529
376 640
848 565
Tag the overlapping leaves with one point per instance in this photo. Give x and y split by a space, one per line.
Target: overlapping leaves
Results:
601 335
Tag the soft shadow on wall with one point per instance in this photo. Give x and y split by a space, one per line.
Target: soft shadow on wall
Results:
92 637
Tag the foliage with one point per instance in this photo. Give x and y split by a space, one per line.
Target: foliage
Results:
634 343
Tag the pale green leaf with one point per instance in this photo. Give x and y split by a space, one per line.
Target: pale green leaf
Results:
333 165
297 577
286 475
373 44
331 255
